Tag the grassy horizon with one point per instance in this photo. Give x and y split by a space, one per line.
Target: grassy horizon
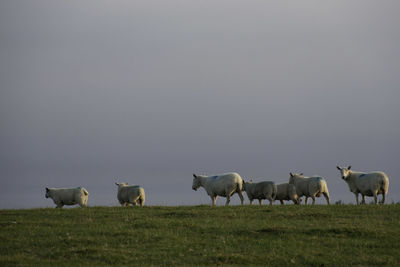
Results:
202 235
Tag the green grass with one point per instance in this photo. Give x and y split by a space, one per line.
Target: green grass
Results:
336 235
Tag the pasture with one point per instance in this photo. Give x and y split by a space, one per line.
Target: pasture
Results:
203 235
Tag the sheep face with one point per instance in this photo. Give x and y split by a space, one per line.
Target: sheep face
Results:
47 193
121 184
196 182
293 176
245 184
344 172
291 179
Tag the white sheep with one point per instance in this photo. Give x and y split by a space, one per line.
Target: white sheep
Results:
260 191
287 191
224 185
309 186
130 194
68 196
367 184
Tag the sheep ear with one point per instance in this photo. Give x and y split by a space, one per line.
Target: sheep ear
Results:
349 167
291 175
301 173
194 175
338 168
47 190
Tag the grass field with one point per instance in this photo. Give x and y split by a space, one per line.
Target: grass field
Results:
201 235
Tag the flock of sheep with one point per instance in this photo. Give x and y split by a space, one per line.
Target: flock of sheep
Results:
225 185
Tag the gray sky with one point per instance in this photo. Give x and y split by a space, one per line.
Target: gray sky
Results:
149 92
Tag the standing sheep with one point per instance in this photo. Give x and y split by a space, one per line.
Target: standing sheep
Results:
367 184
309 186
224 185
260 191
68 196
130 194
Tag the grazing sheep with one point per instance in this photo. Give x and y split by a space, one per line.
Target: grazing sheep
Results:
287 191
68 196
367 184
260 191
130 194
224 185
309 186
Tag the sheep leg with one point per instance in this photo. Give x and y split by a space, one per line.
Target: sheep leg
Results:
383 198
241 197
356 194
313 200
82 204
362 199
326 197
228 199
260 200
282 202
213 200
305 202
133 201
83 200
299 201
251 201
375 198
141 202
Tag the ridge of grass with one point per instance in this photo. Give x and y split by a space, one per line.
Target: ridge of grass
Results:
202 235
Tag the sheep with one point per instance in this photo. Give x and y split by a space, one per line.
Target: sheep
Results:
287 191
260 191
130 194
224 185
367 184
309 186
68 196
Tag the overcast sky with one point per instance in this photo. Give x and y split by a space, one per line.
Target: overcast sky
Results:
149 92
